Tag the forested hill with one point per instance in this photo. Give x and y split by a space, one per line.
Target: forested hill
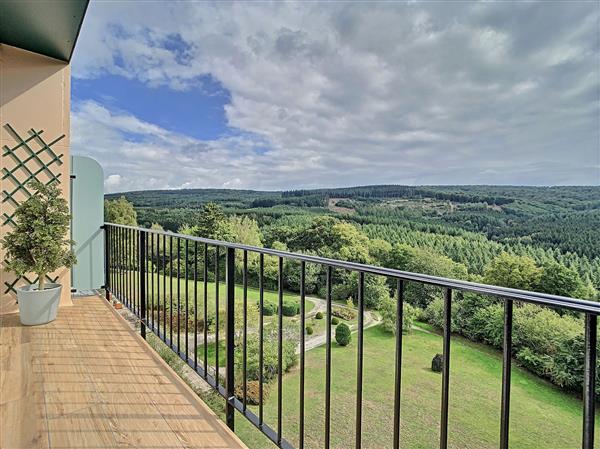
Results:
469 224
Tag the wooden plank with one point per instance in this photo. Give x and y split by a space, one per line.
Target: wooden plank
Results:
88 380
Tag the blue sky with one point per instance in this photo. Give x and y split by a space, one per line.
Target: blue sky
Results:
198 112
300 95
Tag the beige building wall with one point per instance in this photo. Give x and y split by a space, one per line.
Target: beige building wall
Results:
34 97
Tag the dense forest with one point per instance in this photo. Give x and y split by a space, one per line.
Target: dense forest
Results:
468 224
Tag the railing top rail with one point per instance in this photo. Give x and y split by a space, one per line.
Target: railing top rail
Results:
579 305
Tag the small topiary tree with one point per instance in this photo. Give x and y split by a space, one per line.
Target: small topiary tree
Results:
335 320
309 330
319 316
38 243
343 334
269 309
290 308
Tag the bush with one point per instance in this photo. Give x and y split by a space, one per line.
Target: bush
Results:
270 357
335 320
290 308
309 330
269 309
434 314
544 342
387 309
344 313
343 334
319 316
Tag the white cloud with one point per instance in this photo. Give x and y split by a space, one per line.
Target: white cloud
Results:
357 93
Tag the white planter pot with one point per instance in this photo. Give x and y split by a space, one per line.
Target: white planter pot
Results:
38 306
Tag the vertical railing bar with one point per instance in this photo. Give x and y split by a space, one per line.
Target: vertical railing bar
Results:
186 299
178 296
217 318
446 368
148 310
279 347
129 268
171 291
261 269
164 276
302 349
151 269
359 360
195 305
124 271
205 311
111 267
142 281
398 368
106 263
116 263
506 373
230 338
328 362
589 381
120 264
245 334
137 261
134 291
156 265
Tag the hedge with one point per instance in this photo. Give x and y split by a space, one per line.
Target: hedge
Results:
546 343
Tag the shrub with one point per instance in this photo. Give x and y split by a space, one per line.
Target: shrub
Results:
387 309
270 357
319 316
434 314
343 334
309 330
335 320
269 309
290 308
344 313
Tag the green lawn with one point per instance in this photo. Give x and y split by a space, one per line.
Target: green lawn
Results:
541 415
319 325
157 287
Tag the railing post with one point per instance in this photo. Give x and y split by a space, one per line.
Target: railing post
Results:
589 381
106 261
229 369
446 368
142 281
506 373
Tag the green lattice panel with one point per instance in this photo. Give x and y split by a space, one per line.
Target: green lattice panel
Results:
33 159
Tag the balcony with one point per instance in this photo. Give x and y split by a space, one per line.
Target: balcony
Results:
90 380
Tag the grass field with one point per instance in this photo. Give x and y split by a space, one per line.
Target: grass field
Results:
159 284
541 415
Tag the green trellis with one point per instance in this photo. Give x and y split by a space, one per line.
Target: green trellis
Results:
31 164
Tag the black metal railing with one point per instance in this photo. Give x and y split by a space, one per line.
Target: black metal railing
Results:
129 250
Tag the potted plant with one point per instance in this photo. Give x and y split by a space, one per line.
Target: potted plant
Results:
39 244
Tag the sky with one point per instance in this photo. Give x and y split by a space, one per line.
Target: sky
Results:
269 96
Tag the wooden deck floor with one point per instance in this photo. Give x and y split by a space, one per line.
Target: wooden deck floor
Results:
88 381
